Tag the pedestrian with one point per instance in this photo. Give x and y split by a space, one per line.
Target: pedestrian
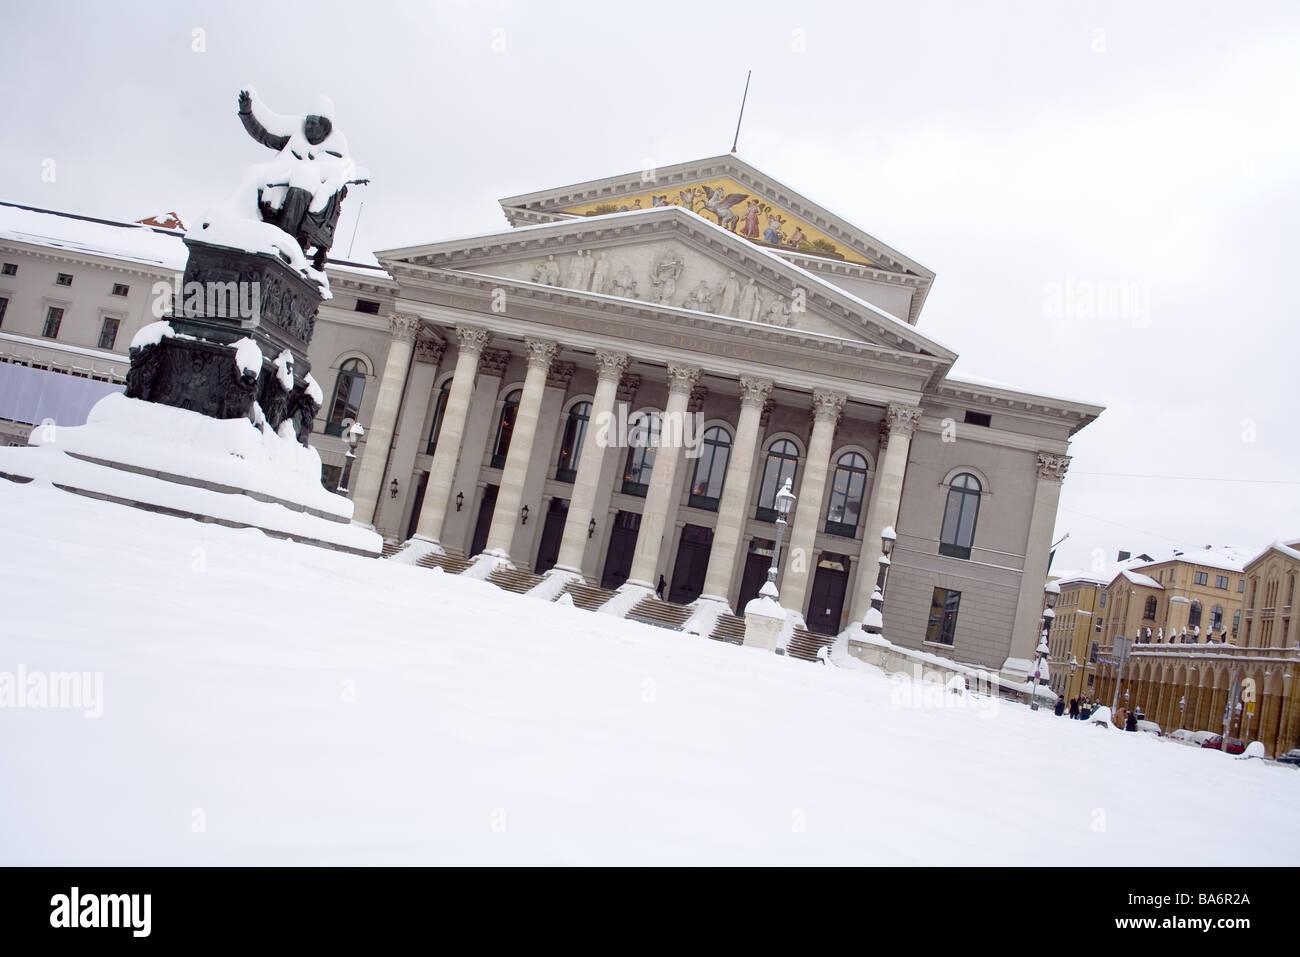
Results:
659 589
1060 706
1074 708
1131 722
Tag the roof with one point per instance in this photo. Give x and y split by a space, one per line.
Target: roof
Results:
1277 545
1224 557
1137 578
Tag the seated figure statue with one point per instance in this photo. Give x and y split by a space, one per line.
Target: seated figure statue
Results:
312 177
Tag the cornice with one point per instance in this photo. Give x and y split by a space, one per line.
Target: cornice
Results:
129 267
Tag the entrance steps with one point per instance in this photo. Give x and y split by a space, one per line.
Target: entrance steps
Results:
587 597
448 563
665 614
729 628
514 579
805 644
391 548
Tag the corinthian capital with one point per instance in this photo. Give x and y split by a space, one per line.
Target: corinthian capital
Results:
682 378
754 392
610 366
473 339
1052 466
429 350
540 353
403 326
828 406
902 419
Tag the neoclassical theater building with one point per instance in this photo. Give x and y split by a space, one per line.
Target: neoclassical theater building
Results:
486 369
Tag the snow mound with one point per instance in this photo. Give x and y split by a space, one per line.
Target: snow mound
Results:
152 334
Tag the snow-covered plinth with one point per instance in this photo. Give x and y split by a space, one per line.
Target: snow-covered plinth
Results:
183 463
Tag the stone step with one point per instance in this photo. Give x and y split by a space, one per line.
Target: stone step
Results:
729 628
391 548
805 644
448 563
665 614
585 596
514 579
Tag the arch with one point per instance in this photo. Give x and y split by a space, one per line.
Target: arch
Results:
847 493
960 515
954 472
1194 613
353 372
1149 608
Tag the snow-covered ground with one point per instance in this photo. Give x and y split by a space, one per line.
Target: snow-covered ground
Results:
267 702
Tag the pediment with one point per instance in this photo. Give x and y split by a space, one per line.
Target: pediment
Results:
669 258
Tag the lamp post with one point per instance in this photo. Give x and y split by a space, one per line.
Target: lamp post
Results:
874 624
1074 666
353 432
784 502
1051 592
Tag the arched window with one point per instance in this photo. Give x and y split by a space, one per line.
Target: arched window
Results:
847 488
575 430
1149 611
782 463
711 468
348 389
1194 615
439 410
644 439
1216 617
959 515
505 429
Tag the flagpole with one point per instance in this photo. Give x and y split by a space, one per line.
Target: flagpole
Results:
742 111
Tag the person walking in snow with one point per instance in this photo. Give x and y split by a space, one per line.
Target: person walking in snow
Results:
1131 722
659 589
1074 708
1060 706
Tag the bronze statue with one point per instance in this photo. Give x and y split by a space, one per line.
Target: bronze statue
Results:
317 175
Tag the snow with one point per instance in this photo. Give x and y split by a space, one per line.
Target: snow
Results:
314 390
248 356
313 707
152 333
134 243
284 369
1146 581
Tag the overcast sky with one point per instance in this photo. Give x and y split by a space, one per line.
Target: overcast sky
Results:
1030 153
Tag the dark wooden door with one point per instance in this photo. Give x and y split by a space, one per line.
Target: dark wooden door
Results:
692 562
827 601
417 503
622 543
552 534
484 519
757 563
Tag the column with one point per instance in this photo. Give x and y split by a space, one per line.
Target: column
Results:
408 439
379 432
886 495
733 509
1033 577
826 411
505 516
663 479
610 367
438 490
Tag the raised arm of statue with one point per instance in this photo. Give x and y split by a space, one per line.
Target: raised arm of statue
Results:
254 126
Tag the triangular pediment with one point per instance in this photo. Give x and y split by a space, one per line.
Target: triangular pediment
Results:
742 199
672 259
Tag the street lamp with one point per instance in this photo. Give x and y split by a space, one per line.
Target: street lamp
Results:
1051 592
1074 666
875 620
784 501
353 432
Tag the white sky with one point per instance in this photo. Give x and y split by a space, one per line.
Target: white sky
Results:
1014 149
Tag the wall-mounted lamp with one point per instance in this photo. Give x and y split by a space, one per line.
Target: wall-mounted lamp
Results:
460 500
393 488
591 530
523 515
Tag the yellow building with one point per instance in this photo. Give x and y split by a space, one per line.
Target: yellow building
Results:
1076 633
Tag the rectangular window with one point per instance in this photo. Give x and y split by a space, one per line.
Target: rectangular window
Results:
1098 629
120 289
1092 653
1103 599
1241 585
1221 581
943 616
1201 578
64 279
53 319
368 305
978 418
4 305
10 269
108 332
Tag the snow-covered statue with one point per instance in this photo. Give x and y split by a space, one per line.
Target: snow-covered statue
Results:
301 191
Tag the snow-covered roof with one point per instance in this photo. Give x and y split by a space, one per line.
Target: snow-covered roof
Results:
1146 581
1224 557
1276 546
146 245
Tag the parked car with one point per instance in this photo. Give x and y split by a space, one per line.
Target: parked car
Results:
1200 737
1100 716
1183 736
1233 746
1291 757
1214 742
1149 727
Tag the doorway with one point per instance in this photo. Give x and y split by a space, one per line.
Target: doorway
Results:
484 523
757 562
692 562
417 503
548 552
622 545
827 602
